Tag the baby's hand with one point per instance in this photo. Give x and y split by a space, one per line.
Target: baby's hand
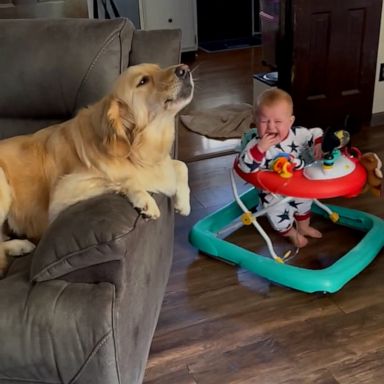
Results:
267 141
317 152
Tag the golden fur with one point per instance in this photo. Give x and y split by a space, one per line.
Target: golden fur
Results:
121 143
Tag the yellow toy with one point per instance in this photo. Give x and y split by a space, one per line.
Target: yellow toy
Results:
283 167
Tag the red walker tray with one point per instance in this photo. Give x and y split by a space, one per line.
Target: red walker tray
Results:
299 186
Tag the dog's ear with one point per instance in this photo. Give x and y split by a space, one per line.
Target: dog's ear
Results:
119 129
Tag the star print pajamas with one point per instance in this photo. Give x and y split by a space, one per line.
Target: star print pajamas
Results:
299 145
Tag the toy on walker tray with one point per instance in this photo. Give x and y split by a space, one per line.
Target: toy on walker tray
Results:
341 172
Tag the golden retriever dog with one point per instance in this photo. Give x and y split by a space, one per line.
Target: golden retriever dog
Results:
121 143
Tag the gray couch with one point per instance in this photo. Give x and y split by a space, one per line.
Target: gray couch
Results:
82 308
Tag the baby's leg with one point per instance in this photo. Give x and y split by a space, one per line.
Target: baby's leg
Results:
304 227
303 218
281 219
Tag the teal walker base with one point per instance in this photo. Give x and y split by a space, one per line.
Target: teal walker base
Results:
328 280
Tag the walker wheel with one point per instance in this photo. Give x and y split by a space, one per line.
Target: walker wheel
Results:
334 216
247 218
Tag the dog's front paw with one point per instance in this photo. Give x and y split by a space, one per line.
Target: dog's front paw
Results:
143 202
149 209
183 209
182 203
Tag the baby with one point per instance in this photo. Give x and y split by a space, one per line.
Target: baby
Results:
275 137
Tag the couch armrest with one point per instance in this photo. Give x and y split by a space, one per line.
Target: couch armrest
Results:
102 240
162 47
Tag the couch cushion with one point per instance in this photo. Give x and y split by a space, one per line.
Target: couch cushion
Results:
89 233
50 82
146 46
10 127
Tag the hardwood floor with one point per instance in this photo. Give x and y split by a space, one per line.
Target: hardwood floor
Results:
220 324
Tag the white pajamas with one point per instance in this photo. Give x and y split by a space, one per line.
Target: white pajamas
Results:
299 145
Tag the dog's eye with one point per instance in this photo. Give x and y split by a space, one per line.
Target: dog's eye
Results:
143 80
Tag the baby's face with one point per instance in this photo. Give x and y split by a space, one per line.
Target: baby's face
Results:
275 120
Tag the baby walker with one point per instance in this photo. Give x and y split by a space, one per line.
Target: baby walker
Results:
339 173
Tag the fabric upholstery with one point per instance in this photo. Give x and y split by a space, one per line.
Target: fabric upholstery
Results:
56 85
90 233
82 308
49 331
86 234
111 316
14 126
162 48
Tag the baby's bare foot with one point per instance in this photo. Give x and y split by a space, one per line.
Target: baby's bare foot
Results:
311 232
299 240
296 238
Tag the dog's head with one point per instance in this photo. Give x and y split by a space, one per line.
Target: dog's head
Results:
147 86
144 94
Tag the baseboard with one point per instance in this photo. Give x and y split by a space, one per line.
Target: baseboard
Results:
377 119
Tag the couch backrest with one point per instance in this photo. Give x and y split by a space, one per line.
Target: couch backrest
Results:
51 69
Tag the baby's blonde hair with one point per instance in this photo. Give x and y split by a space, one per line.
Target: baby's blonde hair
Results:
273 96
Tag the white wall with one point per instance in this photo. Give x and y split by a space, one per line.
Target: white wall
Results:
378 96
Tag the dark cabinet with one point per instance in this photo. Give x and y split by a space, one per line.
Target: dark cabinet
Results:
227 23
326 53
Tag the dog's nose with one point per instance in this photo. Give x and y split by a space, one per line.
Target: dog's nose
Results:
182 71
